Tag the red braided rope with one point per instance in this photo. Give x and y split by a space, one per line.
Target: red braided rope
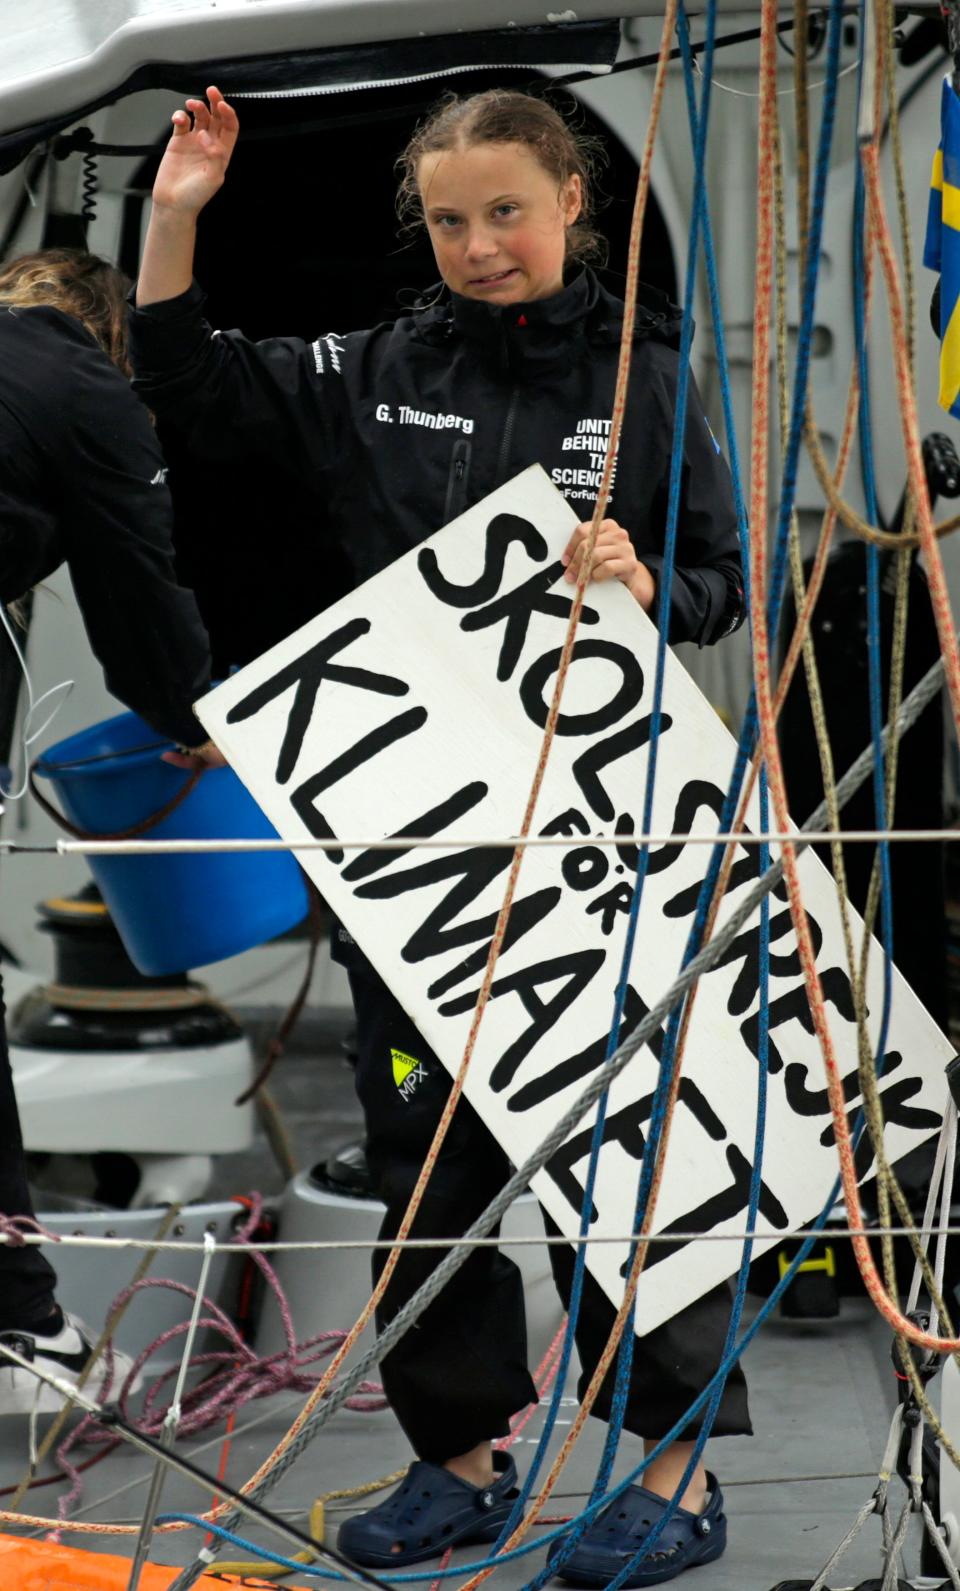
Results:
876 1290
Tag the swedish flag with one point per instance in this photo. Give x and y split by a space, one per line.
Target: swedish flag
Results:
942 248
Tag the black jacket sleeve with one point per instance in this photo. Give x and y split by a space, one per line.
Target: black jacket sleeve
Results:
281 398
706 596
105 482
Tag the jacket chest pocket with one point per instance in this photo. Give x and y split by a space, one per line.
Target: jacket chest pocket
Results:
458 480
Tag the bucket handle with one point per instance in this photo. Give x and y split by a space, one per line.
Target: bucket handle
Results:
133 833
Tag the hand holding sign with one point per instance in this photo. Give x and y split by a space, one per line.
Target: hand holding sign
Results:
613 559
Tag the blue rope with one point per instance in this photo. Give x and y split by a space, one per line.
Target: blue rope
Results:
653 1536
808 304
801 376
698 129
748 736
700 219
593 1509
700 216
658 1108
627 1347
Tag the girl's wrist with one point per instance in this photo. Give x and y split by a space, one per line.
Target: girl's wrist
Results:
642 587
171 219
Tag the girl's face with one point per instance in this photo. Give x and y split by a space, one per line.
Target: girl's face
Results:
497 222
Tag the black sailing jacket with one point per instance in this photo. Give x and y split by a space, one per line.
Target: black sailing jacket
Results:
407 425
82 479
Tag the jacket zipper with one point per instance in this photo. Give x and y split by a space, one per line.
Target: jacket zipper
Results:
457 481
507 441
382 82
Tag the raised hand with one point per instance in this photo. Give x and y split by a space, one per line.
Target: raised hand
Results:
196 158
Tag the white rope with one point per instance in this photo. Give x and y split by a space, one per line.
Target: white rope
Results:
175 1409
782 93
940 1187
936 1537
946 1201
323 1245
451 842
171 1421
877 1504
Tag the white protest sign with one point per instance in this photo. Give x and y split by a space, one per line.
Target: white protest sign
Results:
416 706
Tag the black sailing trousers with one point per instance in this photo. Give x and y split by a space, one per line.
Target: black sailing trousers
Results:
27 1280
458 1375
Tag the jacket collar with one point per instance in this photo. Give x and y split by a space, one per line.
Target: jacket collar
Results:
527 340
479 321
522 341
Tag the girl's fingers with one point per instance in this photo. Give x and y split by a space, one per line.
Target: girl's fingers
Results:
572 562
613 554
217 120
225 114
200 114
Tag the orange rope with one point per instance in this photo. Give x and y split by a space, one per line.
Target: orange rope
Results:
887 1306
939 595
818 571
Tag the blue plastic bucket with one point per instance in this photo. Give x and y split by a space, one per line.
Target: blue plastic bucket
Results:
174 912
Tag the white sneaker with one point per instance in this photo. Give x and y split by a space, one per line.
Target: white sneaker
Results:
62 1354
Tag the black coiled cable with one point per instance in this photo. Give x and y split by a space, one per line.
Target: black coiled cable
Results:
89 185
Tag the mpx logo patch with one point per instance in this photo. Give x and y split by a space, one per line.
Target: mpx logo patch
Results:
407 1073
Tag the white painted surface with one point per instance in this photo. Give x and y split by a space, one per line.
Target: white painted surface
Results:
181 1101
61 53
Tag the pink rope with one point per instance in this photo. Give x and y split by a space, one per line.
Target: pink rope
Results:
237 1375
543 1379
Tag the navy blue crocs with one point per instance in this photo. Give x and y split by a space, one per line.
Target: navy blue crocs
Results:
430 1511
617 1533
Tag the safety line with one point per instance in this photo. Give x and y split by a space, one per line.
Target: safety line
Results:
507 842
335 1245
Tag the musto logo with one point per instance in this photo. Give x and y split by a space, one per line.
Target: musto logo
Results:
407 1073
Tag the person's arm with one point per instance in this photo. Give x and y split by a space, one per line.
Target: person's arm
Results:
282 399
115 519
706 592
192 170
